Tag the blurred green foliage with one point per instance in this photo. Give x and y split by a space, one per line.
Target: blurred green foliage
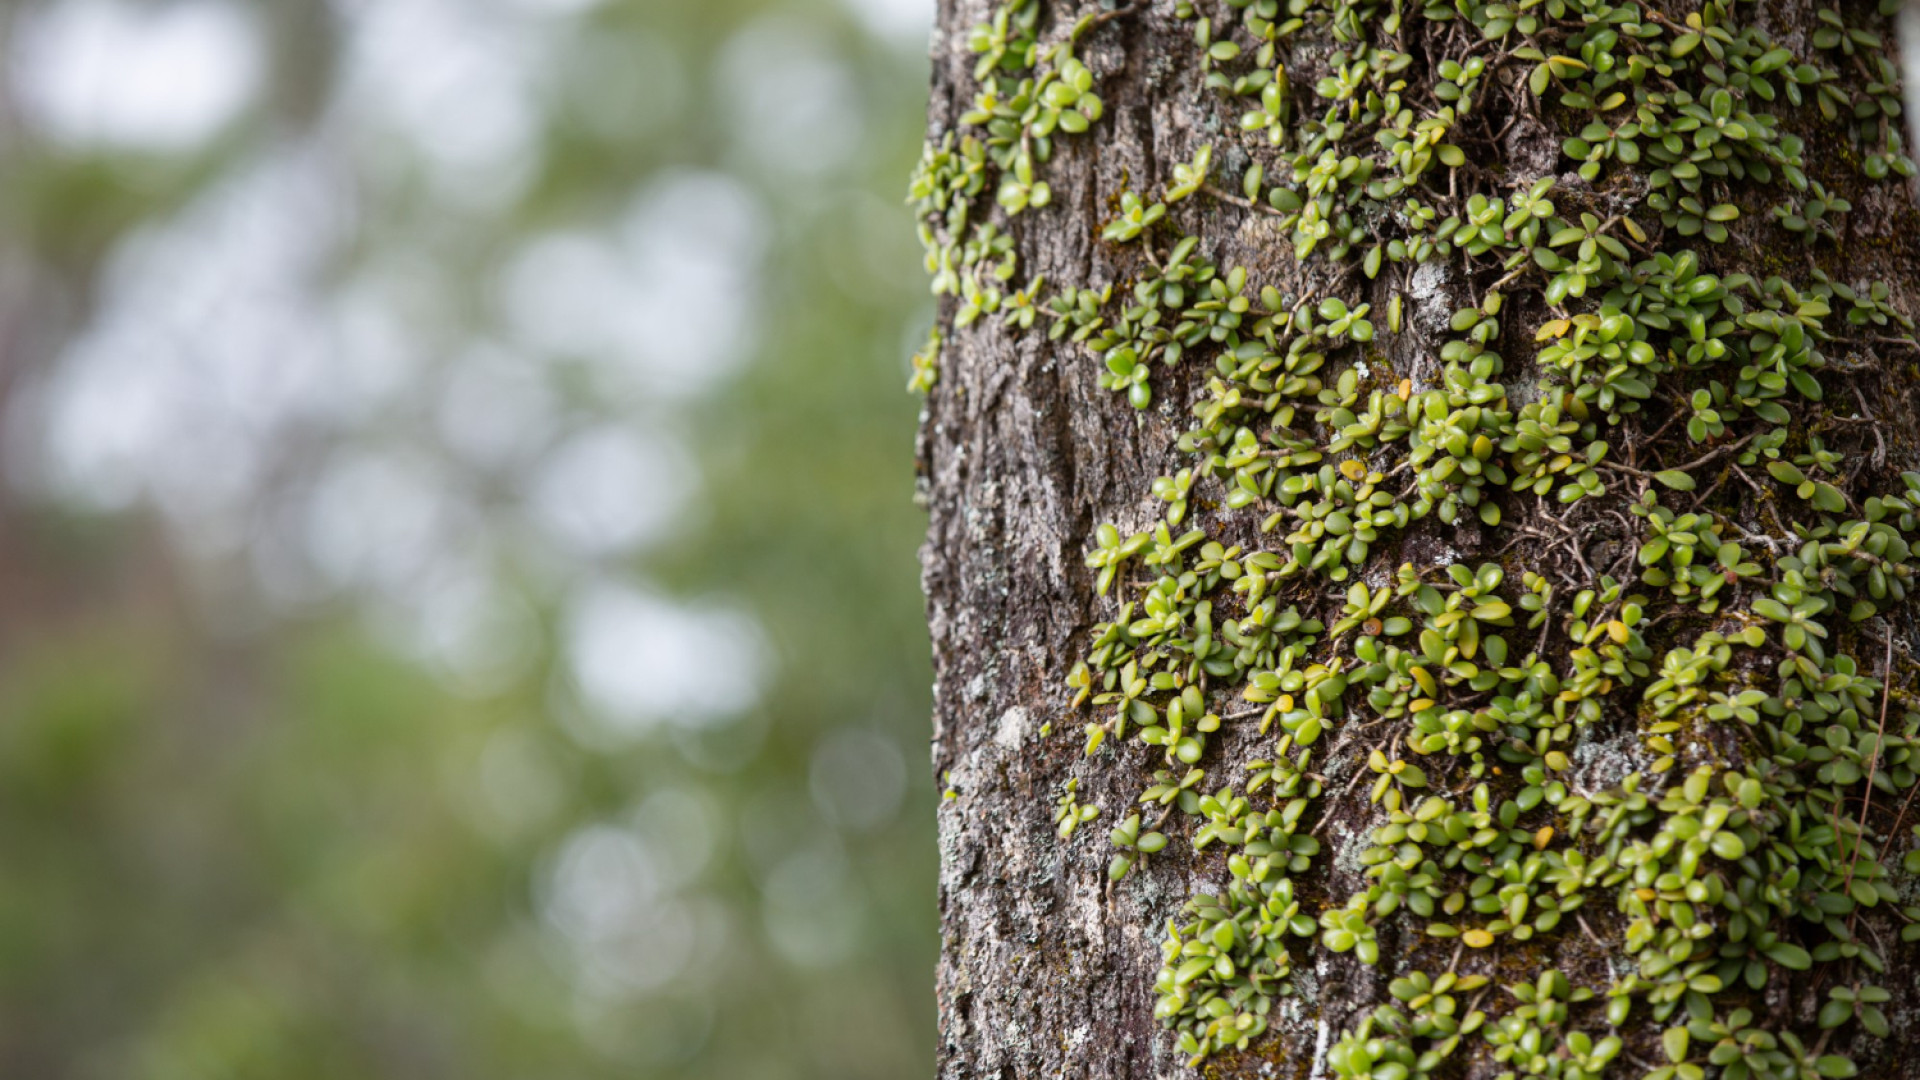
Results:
247 837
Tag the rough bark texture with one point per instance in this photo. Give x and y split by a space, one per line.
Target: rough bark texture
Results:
1048 969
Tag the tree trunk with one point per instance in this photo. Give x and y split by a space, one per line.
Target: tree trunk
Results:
1639 830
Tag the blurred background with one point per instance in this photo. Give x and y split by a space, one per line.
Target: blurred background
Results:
458 608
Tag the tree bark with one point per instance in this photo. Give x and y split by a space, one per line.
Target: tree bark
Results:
1048 967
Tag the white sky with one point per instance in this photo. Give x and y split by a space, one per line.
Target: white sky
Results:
906 21
120 75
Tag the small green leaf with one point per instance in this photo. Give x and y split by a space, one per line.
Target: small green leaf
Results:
1675 479
1808 386
1789 955
1675 1042
1728 845
1786 472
